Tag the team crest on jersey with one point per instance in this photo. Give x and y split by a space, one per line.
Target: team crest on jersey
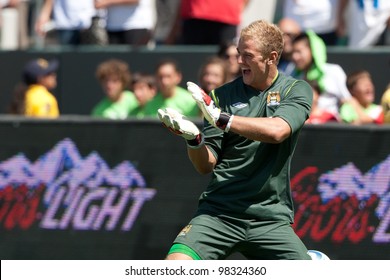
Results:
273 98
185 230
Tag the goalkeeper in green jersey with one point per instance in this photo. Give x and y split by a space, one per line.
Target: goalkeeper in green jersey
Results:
250 132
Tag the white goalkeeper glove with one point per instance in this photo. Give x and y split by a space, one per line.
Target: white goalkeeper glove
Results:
179 125
211 112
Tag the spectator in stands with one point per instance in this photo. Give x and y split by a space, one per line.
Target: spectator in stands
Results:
33 97
361 109
309 56
23 36
3 5
145 88
290 29
170 94
368 22
319 115
228 52
205 22
166 14
320 16
8 3
213 73
70 17
114 76
385 101
129 22
20 22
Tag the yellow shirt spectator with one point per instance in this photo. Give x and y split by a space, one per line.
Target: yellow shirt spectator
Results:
33 97
386 105
40 102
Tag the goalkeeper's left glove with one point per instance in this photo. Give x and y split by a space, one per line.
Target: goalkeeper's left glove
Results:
179 125
211 112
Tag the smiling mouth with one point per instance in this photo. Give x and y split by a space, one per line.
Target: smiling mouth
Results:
246 71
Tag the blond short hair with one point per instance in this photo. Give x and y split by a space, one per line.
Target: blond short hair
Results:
267 36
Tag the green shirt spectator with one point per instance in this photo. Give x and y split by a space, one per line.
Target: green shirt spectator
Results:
170 94
350 115
360 109
181 101
119 102
120 109
144 88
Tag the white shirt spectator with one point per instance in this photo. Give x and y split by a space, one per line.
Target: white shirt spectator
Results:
335 90
317 15
73 14
128 17
367 21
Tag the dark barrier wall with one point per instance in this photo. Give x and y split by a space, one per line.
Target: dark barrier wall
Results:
87 189
92 190
341 188
78 90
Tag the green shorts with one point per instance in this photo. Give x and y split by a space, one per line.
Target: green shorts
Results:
216 237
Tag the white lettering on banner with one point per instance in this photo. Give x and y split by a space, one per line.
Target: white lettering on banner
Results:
86 212
140 196
81 193
71 208
382 234
109 209
95 209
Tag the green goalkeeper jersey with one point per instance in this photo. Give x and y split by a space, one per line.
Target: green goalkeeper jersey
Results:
252 179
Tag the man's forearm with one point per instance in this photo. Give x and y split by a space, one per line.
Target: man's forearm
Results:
269 130
202 159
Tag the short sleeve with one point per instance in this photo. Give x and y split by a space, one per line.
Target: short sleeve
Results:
295 105
213 138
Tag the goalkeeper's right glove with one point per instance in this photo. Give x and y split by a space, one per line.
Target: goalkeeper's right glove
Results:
179 125
211 112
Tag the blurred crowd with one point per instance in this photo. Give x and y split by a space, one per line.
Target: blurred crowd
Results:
352 23
309 28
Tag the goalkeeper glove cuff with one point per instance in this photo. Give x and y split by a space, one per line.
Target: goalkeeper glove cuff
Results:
224 121
197 142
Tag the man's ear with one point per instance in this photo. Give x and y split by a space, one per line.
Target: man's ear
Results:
272 58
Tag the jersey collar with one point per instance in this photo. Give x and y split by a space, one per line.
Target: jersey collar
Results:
273 81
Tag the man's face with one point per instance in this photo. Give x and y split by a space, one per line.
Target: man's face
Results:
302 56
253 65
231 58
212 77
49 81
167 79
143 92
364 91
289 33
113 87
